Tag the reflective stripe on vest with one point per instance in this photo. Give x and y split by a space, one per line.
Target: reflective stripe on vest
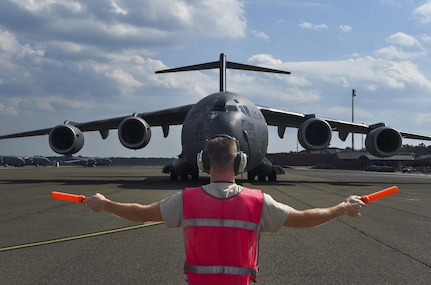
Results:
220 270
221 235
221 223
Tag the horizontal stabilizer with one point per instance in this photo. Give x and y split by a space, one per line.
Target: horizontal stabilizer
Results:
241 66
222 65
202 66
229 64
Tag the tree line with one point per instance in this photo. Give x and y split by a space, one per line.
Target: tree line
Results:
419 150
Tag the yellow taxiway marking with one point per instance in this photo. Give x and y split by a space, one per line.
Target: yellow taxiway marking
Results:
79 236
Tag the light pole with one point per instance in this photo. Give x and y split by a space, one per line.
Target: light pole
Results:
353 118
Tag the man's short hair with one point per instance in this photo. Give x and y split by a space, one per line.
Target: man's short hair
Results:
222 151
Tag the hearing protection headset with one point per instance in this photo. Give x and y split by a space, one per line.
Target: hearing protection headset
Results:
240 163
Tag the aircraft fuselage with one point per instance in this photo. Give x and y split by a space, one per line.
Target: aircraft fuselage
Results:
225 113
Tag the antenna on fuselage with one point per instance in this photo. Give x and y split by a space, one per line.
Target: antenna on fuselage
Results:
222 65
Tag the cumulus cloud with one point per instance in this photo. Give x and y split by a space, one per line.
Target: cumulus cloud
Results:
426 38
310 26
260 35
135 23
43 5
117 9
78 49
402 46
8 110
403 39
344 28
370 71
124 79
264 59
423 13
8 42
393 52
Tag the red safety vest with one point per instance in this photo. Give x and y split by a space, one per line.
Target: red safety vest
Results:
221 236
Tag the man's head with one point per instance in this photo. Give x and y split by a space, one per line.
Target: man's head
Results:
221 154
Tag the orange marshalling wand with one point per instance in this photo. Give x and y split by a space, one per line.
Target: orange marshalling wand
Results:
67 197
379 194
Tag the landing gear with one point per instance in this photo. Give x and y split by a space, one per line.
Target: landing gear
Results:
174 175
194 176
272 176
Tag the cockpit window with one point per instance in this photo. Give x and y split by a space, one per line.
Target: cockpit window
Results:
245 110
223 108
218 108
231 108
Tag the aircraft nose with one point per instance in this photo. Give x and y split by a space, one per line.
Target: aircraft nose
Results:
223 124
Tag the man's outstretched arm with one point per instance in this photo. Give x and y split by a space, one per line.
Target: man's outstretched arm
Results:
314 217
130 211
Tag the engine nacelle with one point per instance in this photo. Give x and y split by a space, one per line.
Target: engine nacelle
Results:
314 134
383 142
134 133
66 139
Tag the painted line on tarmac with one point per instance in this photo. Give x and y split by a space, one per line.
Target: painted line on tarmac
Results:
79 236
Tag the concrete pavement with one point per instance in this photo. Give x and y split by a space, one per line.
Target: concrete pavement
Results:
46 241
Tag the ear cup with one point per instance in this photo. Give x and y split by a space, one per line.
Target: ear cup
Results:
203 161
240 162
199 161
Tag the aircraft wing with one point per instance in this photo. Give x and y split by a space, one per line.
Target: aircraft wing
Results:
283 119
27 134
164 118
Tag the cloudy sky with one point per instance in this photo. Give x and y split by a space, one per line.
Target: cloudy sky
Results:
88 60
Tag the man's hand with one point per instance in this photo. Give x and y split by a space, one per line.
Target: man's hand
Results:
352 206
95 202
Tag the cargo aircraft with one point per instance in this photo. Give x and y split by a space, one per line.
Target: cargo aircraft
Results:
38 161
12 160
87 161
223 113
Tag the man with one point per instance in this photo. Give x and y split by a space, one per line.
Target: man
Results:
222 220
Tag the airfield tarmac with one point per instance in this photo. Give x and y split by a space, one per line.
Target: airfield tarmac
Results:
46 241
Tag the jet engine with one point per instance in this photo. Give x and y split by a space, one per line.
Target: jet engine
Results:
134 133
314 134
66 139
383 142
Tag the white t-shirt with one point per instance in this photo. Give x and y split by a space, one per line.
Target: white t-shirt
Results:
274 213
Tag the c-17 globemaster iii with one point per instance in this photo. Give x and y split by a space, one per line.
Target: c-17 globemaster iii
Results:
226 113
